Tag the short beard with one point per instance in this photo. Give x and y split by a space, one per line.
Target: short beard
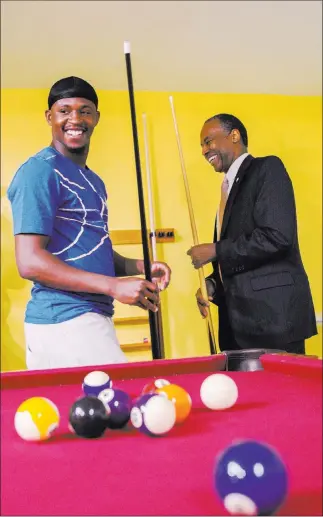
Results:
77 150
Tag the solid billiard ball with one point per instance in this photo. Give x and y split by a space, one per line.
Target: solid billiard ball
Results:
95 382
151 387
118 405
153 414
218 391
36 418
251 479
180 398
88 417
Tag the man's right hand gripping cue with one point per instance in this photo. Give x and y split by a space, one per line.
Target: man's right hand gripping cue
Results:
37 264
203 304
136 291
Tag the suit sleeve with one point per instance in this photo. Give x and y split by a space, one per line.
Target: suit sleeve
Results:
274 215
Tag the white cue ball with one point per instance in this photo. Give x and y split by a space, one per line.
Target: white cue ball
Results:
218 391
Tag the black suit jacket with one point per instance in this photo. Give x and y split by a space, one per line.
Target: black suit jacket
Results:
265 286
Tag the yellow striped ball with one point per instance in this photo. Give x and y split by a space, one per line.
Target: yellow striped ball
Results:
36 419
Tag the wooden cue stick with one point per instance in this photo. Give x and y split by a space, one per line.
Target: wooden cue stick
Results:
156 352
193 227
152 226
149 185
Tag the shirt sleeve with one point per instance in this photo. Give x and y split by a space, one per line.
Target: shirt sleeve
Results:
34 195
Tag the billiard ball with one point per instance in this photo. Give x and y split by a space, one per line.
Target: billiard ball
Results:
36 419
251 479
88 417
118 405
151 387
180 398
153 414
218 391
95 382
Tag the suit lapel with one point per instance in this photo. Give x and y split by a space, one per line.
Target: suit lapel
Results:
234 191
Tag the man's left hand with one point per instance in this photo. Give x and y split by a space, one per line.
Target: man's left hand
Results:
202 254
160 273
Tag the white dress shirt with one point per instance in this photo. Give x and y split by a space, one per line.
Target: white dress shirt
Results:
232 173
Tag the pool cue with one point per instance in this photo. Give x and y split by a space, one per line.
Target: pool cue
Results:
150 200
210 329
155 346
152 226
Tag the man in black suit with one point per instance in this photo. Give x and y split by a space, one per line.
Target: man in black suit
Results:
258 281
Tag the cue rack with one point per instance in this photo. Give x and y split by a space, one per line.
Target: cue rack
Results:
126 237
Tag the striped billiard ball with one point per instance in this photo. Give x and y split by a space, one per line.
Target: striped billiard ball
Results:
36 418
95 382
153 414
152 386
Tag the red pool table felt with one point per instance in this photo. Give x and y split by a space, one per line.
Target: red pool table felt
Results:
128 473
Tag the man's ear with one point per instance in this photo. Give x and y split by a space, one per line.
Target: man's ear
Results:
98 114
235 136
48 115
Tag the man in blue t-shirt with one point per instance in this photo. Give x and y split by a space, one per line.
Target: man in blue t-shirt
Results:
62 243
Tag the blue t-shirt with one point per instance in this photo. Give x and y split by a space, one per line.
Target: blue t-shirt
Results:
51 195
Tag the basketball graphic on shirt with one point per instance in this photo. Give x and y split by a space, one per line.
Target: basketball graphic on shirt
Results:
86 211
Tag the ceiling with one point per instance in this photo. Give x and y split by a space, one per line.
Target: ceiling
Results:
203 46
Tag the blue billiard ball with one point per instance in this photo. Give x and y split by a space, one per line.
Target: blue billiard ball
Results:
153 414
250 478
95 382
118 405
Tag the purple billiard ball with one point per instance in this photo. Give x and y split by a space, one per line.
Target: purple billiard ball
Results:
251 479
118 405
95 382
153 414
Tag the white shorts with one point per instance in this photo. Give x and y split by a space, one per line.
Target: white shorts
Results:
89 339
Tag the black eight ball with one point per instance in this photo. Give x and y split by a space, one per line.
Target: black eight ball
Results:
88 417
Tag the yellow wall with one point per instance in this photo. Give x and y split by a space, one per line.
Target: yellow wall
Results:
289 127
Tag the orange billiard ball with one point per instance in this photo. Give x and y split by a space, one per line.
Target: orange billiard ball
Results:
180 398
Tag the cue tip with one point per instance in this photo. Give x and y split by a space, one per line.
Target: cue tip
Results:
126 47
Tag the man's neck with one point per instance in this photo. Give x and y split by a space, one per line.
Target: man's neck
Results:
243 151
77 158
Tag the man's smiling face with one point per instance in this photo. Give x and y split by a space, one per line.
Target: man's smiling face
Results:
218 147
73 121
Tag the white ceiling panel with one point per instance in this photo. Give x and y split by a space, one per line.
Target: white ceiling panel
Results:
203 46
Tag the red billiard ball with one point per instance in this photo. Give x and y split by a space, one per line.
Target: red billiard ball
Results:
152 386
